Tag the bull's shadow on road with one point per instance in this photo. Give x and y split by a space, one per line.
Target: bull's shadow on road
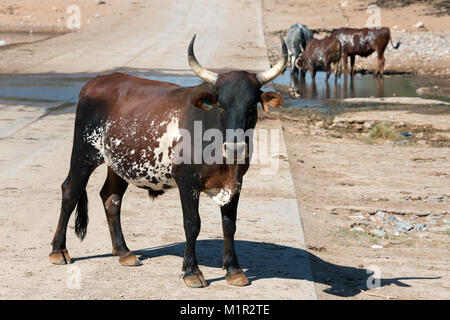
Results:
267 261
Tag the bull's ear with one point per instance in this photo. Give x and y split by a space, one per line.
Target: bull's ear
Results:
204 100
272 98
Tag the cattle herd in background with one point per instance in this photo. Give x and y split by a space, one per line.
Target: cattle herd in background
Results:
309 54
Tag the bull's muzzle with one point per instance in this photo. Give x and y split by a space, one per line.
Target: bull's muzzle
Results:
235 151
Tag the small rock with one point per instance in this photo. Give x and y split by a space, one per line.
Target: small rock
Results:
420 226
340 211
101 2
404 226
368 125
446 221
392 219
419 25
436 198
359 217
337 135
2 43
359 229
440 229
97 15
377 246
379 233
423 91
381 215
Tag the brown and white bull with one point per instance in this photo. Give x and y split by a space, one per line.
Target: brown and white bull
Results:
363 42
320 54
134 125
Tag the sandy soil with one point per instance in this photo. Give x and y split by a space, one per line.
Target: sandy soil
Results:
344 179
353 189
52 16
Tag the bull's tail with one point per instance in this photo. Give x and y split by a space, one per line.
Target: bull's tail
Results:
392 43
82 219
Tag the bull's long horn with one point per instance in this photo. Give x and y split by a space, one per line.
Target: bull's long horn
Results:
272 73
205 74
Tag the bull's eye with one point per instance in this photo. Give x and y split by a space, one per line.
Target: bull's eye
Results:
207 104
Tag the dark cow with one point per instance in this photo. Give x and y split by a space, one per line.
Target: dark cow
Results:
296 40
135 126
363 42
320 54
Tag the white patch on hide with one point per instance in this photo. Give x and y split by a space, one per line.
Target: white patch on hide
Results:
221 197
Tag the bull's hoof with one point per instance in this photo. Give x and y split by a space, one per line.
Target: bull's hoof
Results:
60 258
237 278
195 280
130 260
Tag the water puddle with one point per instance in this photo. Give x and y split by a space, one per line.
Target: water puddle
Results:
64 88
321 93
32 89
26 97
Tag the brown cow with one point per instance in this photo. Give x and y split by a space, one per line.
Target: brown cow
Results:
320 54
363 42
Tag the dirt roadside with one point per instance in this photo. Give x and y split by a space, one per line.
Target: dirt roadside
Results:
356 193
356 190
49 16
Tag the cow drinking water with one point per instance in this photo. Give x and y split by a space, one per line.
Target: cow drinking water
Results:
296 41
322 54
135 125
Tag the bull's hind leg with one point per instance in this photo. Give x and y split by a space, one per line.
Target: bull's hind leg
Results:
380 66
235 276
352 66
328 71
111 194
84 159
73 195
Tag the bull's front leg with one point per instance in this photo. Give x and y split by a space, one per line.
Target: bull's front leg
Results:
345 64
235 276
189 195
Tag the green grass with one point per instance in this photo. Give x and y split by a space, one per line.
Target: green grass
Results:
346 233
382 131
